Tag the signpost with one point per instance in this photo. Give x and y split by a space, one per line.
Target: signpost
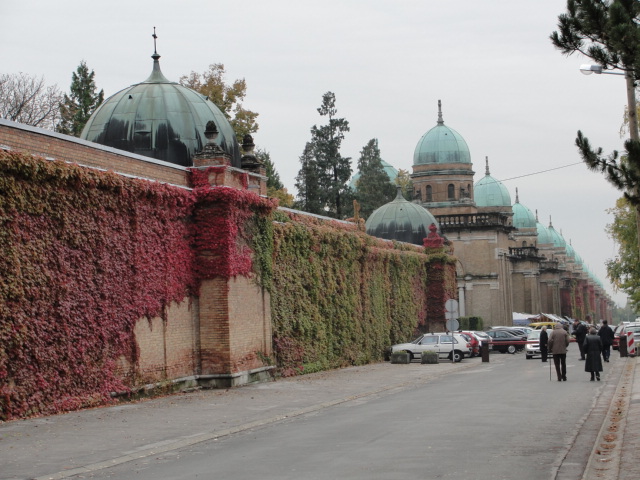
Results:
451 314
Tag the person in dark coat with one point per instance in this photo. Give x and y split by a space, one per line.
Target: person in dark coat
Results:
580 332
544 342
606 335
593 349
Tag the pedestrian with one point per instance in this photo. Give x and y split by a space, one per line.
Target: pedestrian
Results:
544 342
558 343
606 335
593 349
580 332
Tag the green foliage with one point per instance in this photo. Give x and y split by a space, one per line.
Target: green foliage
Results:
624 269
374 188
340 297
228 98
322 180
76 108
471 323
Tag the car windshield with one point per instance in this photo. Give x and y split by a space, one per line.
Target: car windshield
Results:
534 335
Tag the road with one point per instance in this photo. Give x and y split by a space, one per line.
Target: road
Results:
500 420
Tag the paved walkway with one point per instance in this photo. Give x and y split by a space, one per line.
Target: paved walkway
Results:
78 443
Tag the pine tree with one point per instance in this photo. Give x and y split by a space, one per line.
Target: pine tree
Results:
608 32
322 164
76 108
307 183
374 188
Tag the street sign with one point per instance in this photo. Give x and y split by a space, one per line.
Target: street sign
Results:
451 305
453 325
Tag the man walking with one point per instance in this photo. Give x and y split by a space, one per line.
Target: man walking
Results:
544 342
606 335
580 332
558 343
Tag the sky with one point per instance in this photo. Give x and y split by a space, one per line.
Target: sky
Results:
512 96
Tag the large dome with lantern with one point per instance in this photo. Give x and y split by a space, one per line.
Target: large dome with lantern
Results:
161 119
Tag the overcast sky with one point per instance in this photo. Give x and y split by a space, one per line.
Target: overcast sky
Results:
504 87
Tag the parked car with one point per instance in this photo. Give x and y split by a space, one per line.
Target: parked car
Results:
532 348
616 337
631 327
436 342
473 340
484 338
539 325
504 340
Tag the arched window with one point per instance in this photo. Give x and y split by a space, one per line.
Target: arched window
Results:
429 193
451 192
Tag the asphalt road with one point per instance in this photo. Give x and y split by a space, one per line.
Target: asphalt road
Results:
501 420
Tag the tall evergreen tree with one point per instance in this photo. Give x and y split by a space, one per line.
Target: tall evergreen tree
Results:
608 32
76 108
308 184
332 171
374 188
275 187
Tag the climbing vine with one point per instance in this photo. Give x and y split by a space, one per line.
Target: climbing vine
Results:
341 297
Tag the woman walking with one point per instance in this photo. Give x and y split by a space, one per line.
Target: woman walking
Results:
593 350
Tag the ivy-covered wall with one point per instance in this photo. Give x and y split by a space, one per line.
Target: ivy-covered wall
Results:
83 256
340 297
86 255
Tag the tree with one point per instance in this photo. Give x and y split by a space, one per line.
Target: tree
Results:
403 180
76 108
608 32
331 170
374 188
228 98
624 270
28 100
275 187
308 183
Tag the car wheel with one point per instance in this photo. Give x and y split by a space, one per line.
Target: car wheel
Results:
511 349
457 356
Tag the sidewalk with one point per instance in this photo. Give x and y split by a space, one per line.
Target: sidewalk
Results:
62 446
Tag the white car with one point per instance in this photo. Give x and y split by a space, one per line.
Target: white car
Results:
532 348
436 342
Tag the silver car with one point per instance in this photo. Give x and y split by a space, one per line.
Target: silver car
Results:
532 348
436 342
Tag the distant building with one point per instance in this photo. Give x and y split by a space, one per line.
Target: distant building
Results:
508 261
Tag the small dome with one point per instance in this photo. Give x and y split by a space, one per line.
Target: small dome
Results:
522 216
556 238
489 192
441 144
160 119
544 237
391 172
401 220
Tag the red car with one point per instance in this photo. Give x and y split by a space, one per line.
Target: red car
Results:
616 337
473 340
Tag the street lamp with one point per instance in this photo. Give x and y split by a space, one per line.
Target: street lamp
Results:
597 69
632 113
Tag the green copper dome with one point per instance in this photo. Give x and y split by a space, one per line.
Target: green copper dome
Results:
522 216
401 220
556 238
489 192
160 119
544 237
441 144
391 172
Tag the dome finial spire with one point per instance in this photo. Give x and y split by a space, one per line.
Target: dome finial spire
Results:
155 55
440 121
517 197
486 171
